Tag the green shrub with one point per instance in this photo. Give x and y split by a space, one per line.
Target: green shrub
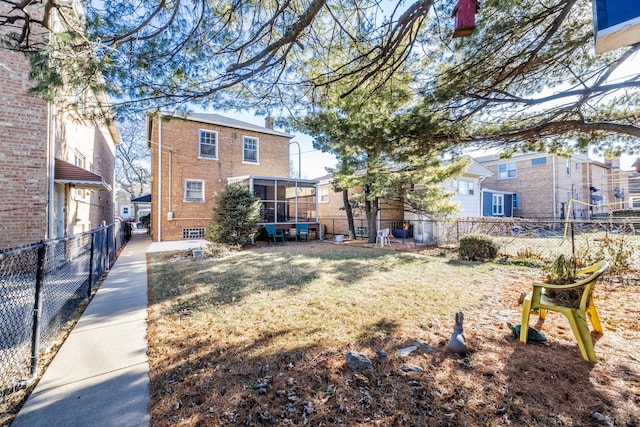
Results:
235 216
477 247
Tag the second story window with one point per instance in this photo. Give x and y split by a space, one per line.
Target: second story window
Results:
568 167
78 159
250 149
323 193
208 144
465 188
539 161
193 190
507 171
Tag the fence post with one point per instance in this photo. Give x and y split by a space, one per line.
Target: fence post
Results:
37 311
92 245
573 245
107 257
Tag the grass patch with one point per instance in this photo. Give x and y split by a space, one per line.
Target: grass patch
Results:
259 337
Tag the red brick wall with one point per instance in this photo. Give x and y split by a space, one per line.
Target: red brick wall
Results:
102 202
334 218
23 156
180 139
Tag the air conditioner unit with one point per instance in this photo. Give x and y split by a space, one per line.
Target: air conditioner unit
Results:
169 216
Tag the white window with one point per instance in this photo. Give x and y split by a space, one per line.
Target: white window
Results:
465 188
568 167
249 149
497 204
193 190
78 159
515 201
323 193
208 146
507 171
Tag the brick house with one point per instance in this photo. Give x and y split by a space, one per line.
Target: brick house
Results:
392 214
547 186
334 218
56 168
194 156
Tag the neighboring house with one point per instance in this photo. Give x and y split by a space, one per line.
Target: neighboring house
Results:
467 190
541 185
392 213
194 156
334 218
56 168
129 210
634 190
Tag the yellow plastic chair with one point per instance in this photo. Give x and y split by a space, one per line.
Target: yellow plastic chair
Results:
577 316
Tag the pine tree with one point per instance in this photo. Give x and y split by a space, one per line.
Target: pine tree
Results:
235 216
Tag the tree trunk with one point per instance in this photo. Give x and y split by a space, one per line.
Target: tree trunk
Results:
347 209
371 208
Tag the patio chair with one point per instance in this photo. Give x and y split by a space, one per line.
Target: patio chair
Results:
302 230
274 233
576 315
382 236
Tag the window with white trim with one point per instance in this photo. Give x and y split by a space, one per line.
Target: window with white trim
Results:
323 193
515 204
506 171
568 167
465 188
635 202
497 204
208 144
78 159
249 149
193 190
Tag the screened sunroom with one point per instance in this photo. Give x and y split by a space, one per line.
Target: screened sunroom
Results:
285 201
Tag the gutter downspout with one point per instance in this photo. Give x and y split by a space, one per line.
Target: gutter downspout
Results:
159 222
481 191
51 136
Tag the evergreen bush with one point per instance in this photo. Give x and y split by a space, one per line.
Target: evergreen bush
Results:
477 247
235 216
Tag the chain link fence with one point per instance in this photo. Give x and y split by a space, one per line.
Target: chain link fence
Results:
614 239
545 240
41 286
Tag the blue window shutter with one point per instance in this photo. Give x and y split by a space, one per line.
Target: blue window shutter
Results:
486 203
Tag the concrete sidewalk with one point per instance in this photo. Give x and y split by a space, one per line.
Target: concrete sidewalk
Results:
100 376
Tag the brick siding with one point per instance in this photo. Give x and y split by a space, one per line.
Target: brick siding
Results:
180 162
23 155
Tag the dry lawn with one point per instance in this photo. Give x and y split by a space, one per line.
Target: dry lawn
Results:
260 337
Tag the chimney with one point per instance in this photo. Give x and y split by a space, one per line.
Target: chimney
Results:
268 122
612 162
